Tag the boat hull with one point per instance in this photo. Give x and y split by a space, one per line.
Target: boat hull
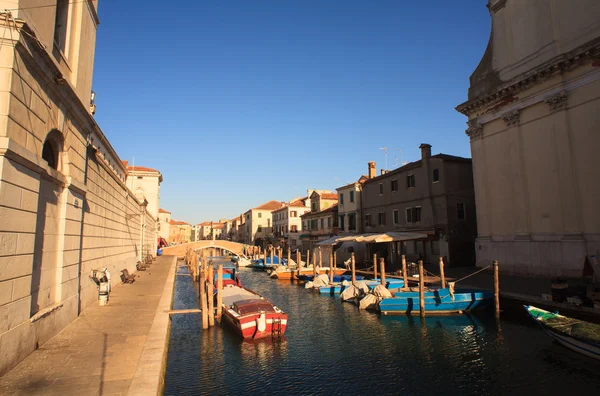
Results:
588 348
247 326
438 302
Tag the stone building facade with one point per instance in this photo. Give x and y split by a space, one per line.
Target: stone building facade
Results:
534 115
258 223
64 206
433 196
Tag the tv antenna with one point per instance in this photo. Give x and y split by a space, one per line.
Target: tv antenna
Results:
385 150
400 156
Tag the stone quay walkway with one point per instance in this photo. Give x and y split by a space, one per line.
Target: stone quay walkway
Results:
117 349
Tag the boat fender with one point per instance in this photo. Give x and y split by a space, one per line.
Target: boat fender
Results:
261 322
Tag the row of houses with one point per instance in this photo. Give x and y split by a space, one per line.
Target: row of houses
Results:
432 196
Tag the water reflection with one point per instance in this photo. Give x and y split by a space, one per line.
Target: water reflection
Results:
334 348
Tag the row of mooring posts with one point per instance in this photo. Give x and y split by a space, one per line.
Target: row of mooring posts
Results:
382 274
202 271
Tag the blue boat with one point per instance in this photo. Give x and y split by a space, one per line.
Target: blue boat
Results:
437 302
338 289
259 264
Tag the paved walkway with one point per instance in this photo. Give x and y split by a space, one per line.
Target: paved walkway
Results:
107 348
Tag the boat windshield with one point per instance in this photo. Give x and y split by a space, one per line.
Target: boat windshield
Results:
245 307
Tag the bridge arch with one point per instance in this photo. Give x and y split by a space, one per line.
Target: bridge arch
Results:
180 250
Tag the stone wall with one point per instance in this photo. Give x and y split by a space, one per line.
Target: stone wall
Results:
56 222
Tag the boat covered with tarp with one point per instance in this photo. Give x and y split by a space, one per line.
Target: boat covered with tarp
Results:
578 335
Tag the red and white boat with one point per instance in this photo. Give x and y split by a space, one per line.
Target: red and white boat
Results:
250 314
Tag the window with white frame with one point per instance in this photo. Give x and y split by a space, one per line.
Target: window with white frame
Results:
396 216
351 196
436 175
410 181
394 185
381 218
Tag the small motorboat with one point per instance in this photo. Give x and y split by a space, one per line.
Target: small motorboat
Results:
251 315
578 335
437 302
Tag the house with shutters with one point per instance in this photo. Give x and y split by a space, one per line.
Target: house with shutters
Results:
433 196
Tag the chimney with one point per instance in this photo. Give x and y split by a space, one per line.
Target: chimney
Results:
382 171
372 169
425 150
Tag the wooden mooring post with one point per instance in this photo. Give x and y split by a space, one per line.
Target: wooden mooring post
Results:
353 265
211 295
320 259
331 267
219 292
271 251
382 270
421 289
203 303
315 265
289 257
442 275
496 289
374 265
404 276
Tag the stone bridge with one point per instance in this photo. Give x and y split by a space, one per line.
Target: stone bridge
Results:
180 250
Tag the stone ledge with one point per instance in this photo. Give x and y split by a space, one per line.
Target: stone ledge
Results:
150 372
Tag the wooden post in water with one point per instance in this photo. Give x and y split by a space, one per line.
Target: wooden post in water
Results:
320 259
315 265
353 265
289 257
272 251
442 275
374 265
219 292
308 258
334 259
211 295
203 298
421 289
298 261
265 254
496 289
330 268
404 276
382 270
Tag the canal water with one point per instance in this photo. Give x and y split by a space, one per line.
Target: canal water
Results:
332 348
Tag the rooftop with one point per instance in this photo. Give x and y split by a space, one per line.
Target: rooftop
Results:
271 205
416 164
160 210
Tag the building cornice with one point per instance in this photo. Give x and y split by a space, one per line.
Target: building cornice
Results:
510 89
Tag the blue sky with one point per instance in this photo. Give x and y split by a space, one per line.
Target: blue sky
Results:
240 102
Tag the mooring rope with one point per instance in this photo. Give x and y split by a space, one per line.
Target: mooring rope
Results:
474 273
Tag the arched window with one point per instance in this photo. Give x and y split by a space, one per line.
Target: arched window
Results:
52 149
50 153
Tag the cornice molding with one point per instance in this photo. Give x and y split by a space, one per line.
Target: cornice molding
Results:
497 6
561 64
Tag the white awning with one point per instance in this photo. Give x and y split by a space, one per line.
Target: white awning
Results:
374 238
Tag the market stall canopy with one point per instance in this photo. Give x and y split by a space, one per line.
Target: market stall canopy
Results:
391 236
